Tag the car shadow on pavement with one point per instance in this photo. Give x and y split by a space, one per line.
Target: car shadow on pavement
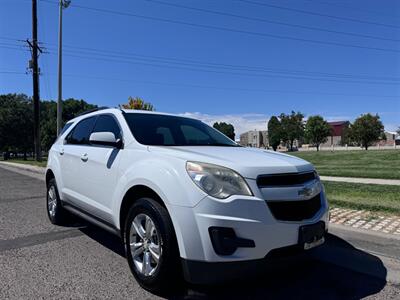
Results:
311 275
105 238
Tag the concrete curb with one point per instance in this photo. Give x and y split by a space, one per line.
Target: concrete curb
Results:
30 171
35 169
365 232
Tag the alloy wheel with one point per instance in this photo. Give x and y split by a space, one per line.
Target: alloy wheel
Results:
145 245
52 201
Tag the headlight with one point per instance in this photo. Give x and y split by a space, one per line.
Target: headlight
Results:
217 181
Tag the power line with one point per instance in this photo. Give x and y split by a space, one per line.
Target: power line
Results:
319 14
273 22
8 38
366 11
296 92
13 72
226 29
96 54
245 67
195 63
261 68
178 67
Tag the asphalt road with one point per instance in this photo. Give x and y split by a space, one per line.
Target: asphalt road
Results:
41 261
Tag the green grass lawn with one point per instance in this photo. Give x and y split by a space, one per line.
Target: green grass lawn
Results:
371 197
368 164
30 161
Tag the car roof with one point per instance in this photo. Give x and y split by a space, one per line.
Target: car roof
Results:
127 111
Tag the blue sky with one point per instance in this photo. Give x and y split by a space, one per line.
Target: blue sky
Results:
232 60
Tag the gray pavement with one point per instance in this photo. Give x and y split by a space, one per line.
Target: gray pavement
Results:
42 261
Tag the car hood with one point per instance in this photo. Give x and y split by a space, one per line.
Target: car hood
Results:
249 162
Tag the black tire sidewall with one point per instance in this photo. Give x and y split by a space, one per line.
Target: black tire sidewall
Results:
58 218
169 267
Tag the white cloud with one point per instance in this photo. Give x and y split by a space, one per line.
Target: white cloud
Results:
242 122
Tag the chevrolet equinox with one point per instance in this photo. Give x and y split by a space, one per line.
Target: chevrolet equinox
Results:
185 199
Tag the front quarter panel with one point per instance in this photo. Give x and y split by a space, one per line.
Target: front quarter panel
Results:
53 164
167 177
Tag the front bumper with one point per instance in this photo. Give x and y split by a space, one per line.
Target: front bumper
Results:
249 217
202 272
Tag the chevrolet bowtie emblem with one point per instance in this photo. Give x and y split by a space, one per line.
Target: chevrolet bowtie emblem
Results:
306 192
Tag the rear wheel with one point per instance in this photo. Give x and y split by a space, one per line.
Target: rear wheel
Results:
151 246
56 213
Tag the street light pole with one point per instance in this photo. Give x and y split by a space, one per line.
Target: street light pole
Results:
63 4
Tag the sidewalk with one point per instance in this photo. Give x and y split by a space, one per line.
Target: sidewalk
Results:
362 180
367 220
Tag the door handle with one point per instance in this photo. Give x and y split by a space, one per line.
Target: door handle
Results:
84 157
62 152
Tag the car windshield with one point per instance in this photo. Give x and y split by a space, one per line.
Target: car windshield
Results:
163 130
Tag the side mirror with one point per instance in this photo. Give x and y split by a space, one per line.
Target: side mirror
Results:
105 138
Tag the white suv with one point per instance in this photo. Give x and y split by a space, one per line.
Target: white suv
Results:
185 198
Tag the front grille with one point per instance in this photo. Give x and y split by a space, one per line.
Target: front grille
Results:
295 210
284 179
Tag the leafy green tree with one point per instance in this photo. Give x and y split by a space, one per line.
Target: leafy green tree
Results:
48 117
138 103
366 130
226 129
292 128
16 123
73 107
317 130
274 132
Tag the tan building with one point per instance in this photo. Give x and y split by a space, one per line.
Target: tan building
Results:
254 138
392 138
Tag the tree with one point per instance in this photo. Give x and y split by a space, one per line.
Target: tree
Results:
16 123
292 128
366 130
138 103
48 110
274 132
226 129
398 130
317 130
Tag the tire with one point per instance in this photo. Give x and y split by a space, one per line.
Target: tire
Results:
56 213
160 276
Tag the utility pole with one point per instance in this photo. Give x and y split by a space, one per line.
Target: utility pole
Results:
63 4
35 76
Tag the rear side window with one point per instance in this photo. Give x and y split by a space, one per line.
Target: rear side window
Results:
107 123
80 134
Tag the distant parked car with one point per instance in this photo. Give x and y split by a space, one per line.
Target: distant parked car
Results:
184 197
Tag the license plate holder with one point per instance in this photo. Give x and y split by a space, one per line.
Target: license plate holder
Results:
312 235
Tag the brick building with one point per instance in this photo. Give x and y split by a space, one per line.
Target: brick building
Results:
337 133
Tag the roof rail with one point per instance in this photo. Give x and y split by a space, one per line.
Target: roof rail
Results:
92 110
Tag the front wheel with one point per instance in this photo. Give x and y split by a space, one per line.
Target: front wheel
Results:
56 213
151 246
